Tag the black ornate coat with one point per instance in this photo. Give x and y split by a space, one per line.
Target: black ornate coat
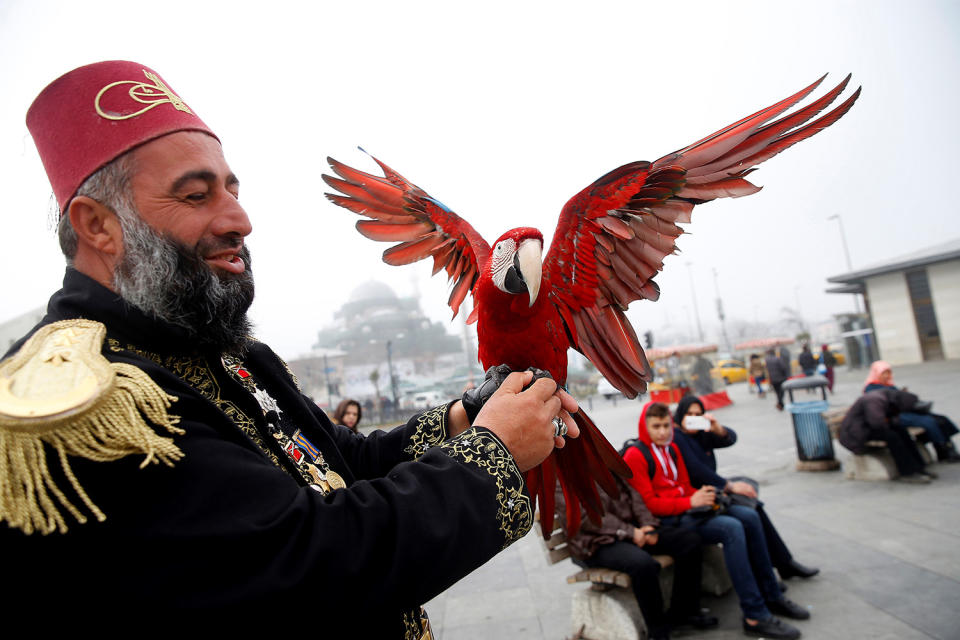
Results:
235 530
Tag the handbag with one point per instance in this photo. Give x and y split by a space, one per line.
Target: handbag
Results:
745 501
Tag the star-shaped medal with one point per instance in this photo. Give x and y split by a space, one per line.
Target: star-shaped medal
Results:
266 401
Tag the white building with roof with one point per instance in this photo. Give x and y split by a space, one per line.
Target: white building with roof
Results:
913 302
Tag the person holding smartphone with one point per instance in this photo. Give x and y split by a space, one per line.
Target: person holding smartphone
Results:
626 539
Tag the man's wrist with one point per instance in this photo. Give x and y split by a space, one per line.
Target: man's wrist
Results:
458 419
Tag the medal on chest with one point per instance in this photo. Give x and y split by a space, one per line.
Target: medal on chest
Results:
306 457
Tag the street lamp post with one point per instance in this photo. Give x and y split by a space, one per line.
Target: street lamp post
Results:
723 317
846 254
393 379
696 309
803 324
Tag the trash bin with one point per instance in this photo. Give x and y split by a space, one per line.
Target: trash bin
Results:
814 444
809 427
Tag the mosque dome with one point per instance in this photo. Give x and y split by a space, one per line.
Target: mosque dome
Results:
372 290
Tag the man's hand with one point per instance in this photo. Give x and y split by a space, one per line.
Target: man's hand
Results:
523 419
642 536
742 488
704 497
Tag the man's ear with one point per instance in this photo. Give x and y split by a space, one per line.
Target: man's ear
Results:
97 227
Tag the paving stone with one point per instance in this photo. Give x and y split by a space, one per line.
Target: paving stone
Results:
487 607
513 628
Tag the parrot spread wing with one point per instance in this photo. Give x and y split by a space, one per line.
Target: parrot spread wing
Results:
612 237
402 212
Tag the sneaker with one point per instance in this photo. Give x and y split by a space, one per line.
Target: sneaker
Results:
916 478
772 627
788 608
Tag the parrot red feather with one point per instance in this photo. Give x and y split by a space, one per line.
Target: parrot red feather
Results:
610 242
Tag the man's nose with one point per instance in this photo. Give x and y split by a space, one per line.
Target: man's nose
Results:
232 220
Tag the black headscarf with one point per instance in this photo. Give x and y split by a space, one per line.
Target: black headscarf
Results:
684 405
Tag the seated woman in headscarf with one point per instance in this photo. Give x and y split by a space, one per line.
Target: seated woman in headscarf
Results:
937 428
696 445
660 476
875 416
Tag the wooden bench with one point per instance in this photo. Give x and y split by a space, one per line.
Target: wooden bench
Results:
608 610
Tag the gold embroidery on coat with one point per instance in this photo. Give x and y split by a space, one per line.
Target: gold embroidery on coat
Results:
483 450
195 372
152 95
416 625
431 431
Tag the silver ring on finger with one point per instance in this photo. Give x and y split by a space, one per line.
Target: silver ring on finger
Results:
559 427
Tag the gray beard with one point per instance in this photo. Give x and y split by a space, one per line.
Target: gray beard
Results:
171 282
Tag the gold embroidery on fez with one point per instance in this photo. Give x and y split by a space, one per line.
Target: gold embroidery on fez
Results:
152 95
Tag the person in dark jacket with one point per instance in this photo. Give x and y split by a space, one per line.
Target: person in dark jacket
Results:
875 416
808 364
696 446
778 375
829 361
938 429
626 539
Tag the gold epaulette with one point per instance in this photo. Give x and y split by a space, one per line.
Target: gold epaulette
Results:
59 390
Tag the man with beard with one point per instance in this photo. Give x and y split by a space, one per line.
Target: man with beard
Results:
157 459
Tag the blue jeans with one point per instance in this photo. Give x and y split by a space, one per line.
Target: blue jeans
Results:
925 420
745 551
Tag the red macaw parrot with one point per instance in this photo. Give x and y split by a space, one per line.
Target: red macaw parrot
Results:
610 241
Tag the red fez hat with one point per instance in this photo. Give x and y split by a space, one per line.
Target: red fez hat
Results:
94 114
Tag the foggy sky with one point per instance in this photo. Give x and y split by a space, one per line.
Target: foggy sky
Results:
503 111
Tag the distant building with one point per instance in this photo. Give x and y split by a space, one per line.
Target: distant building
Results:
913 302
356 344
320 374
15 328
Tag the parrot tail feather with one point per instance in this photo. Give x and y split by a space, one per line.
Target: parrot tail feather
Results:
573 507
583 467
546 492
608 455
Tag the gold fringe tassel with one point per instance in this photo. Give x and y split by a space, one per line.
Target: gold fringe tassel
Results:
114 427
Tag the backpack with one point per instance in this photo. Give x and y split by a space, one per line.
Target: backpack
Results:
647 455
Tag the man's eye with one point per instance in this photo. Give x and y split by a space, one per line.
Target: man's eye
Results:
196 197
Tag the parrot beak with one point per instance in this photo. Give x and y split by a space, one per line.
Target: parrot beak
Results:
528 262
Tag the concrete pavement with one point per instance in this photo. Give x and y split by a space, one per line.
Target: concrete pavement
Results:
889 552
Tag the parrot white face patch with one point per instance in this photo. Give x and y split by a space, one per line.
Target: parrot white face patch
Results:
501 261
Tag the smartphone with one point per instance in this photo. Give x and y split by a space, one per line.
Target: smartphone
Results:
696 423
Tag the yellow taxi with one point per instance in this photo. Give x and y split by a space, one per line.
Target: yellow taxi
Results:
730 371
